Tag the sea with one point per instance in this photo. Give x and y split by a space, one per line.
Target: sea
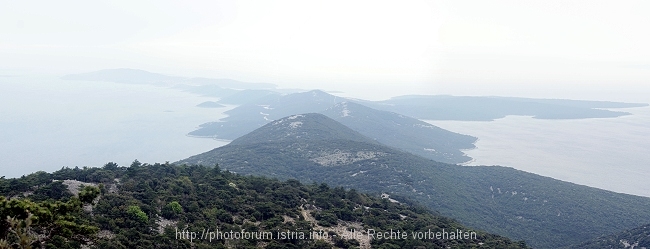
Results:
606 153
47 123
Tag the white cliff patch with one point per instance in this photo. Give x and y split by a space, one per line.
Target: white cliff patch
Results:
284 119
344 158
387 196
340 228
295 125
345 112
74 185
360 172
162 223
424 126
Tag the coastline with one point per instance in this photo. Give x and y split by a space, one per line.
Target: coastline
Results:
606 153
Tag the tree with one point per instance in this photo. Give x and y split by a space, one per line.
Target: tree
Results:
19 234
88 194
137 214
34 224
172 210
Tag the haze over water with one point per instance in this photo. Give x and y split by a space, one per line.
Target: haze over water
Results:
48 123
607 153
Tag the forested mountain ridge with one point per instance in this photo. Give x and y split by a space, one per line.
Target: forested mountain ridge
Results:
545 212
403 132
169 206
632 238
392 129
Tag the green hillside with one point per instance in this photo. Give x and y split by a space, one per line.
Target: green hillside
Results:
545 212
392 129
632 238
168 206
402 132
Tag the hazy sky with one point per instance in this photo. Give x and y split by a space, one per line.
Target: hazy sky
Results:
372 49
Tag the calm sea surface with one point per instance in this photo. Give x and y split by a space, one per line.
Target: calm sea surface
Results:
47 123
608 153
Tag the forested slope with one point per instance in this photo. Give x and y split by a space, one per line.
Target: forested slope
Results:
168 206
632 238
545 212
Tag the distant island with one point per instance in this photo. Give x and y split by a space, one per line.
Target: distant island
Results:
210 104
488 108
424 107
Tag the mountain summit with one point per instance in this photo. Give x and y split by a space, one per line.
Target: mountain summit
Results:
302 127
297 146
